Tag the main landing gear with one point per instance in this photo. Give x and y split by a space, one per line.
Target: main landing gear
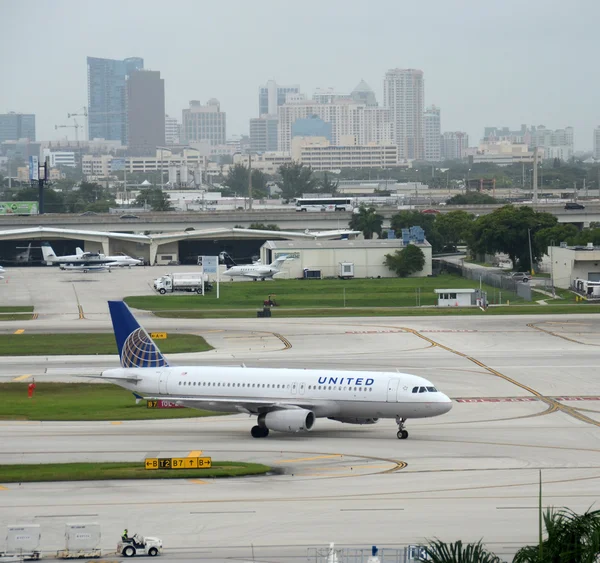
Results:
402 434
259 431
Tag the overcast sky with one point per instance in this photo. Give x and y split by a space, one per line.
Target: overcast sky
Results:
486 62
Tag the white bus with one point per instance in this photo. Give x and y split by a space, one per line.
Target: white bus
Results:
325 204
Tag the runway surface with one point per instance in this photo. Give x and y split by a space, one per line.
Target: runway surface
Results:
526 399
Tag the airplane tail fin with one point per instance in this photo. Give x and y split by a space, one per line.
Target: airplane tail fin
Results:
227 260
47 252
78 251
136 348
278 262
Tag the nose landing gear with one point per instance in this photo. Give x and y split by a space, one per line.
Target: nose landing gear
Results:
402 433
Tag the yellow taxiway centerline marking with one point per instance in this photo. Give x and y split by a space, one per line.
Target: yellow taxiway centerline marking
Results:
198 482
20 331
309 458
195 453
3 488
116 422
22 377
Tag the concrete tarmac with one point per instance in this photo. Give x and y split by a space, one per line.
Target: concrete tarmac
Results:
526 399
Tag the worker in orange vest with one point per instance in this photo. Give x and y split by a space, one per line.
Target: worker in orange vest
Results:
31 388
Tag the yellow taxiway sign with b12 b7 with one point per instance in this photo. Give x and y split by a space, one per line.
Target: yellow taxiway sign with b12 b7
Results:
178 462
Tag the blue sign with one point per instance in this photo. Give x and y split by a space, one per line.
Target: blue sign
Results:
34 172
210 264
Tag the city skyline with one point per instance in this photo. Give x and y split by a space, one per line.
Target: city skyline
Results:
474 88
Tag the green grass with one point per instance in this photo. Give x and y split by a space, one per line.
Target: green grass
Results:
88 343
17 309
24 473
16 316
80 401
317 294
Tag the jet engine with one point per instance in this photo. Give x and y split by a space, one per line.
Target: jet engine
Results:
355 420
290 420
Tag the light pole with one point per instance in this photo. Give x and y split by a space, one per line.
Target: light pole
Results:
530 252
249 181
468 178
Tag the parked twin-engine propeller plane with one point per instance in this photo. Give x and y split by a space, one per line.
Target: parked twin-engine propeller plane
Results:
284 400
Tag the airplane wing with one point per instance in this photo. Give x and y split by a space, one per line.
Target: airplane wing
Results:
250 406
84 262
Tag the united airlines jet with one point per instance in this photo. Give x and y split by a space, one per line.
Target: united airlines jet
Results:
284 400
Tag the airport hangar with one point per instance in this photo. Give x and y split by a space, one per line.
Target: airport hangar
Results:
324 251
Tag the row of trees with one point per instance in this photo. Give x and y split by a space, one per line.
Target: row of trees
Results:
511 230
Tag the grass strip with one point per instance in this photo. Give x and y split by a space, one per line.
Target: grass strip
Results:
88 343
17 309
16 316
317 294
25 473
81 401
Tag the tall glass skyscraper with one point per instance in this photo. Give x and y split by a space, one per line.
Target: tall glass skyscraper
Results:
107 97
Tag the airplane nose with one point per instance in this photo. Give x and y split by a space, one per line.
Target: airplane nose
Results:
445 404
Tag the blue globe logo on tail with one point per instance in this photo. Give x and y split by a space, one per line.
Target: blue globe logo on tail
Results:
136 348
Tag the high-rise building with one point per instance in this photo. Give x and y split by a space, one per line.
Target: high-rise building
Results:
204 123
263 133
454 145
404 94
432 134
363 94
597 143
107 97
271 96
15 126
558 143
172 130
145 112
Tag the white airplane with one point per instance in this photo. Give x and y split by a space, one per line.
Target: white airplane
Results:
2 271
86 259
284 400
256 271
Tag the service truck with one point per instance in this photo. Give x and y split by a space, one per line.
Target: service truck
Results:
23 541
81 541
182 282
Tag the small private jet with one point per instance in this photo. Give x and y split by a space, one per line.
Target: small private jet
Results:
87 261
255 271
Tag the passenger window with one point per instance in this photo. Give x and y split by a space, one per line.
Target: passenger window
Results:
422 390
180 383
194 384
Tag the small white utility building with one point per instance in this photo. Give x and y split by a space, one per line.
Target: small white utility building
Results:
456 297
574 262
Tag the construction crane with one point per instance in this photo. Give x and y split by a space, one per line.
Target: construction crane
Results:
84 114
76 126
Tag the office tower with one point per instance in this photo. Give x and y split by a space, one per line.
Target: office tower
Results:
453 145
107 97
363 94
204 123
145 112
403 94
263 133
432 134
271 96
15 126
597 143
172 130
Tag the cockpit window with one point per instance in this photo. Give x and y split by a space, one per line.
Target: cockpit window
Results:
415 390
432 389
422 390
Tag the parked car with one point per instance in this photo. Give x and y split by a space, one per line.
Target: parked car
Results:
129 216
574 205
520 276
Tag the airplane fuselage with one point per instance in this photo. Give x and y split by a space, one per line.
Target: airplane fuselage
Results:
327 393
257 272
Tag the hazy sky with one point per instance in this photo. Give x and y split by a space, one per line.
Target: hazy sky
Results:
486 62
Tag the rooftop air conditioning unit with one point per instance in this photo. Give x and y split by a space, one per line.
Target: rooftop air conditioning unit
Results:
563 244
590 245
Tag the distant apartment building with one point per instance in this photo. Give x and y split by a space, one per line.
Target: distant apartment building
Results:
320 154
99 166
495 134
597 143
263 133
557 143
503 153
363 94
15 126
268 162
271 96
145 112
60 158
204 123
107 96
453 145
404 94
172 131
432 126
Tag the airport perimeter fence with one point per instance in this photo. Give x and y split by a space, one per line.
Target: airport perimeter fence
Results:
497 280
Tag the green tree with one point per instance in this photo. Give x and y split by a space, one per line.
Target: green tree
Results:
405 262
366 220
570 538
259 184
237 179
454 227
155 198
296 180
440 552
263 227
54 202
471 198
558 233
328 186
507 230
588 235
